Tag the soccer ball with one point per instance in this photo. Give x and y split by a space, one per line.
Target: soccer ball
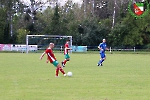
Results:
69 74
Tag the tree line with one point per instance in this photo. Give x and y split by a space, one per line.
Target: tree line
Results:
88 22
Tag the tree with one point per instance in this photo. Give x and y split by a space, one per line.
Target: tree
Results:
126 33
21 36
9 9
55 24
144 28
2 24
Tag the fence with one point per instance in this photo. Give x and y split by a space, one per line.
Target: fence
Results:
35 48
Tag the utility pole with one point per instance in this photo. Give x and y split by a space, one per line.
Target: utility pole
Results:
113 23
11 26
93 6
85 8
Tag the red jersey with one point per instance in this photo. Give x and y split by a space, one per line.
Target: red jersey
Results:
66 50
50 55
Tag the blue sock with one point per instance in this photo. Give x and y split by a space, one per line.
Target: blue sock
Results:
101 61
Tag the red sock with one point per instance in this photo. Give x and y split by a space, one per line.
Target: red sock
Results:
61 70
57 71
65 61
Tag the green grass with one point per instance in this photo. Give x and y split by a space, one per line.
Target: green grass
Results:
123 77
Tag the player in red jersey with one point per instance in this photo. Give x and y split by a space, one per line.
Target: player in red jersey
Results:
52 59
66 53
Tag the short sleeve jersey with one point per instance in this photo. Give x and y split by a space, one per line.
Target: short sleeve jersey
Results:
66 50
50 55
103 46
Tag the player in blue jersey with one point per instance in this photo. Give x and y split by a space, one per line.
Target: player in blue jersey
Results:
102 47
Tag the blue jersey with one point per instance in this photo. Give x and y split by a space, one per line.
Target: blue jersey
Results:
103 46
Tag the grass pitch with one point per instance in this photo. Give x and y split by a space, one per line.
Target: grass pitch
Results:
122 77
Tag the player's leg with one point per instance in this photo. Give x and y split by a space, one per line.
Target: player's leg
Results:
65 61
58 67
57 72
99 62
67 58
55 63
103 57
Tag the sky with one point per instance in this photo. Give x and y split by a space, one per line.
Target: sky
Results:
75 1
43 7
62 2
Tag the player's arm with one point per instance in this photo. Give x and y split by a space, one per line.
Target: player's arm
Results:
42 55
47 60
107 49
68 48
100 48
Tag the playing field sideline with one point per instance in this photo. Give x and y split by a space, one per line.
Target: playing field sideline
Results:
122 77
